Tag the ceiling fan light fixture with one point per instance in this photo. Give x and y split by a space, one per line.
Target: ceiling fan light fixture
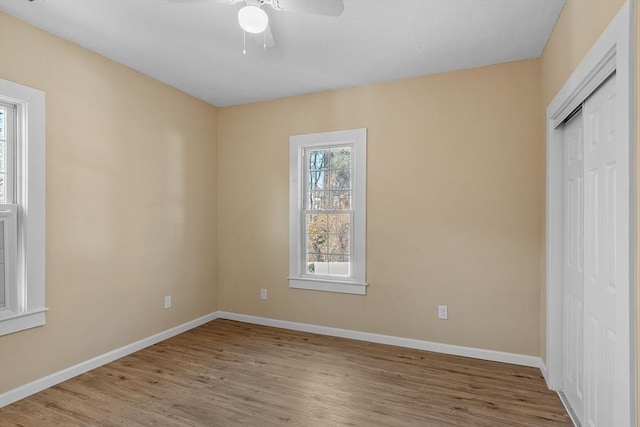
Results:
252 19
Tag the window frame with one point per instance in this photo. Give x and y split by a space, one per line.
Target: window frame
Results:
28 292
299 144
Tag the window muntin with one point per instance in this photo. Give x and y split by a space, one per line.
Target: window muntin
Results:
327 211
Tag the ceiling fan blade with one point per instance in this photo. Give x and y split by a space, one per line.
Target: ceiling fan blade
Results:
265 39
317 7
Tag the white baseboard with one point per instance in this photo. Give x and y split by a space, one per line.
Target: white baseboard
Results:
33 387
545 373
476 353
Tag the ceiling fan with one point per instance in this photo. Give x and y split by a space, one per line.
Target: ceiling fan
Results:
254 19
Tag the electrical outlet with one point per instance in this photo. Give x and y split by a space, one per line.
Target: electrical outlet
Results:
167 301
263 294
443 312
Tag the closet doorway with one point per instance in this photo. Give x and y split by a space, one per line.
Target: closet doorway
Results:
589 281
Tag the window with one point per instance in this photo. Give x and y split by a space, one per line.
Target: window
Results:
22 192
327 218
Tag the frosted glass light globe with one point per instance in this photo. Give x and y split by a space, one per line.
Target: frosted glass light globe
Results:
252 19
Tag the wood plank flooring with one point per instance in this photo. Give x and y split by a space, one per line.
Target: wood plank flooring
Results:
229 373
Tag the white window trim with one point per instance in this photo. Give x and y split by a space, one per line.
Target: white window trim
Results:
356 284
29 308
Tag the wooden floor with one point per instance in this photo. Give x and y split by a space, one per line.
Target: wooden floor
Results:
228 373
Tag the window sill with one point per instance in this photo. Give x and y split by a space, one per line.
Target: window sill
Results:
11 322
327 285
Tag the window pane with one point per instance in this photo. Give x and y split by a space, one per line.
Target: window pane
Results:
339 244
317 244
328 179
2 156
318 160
340 158
339 223
340 179
316 236
317 200
317 223
318 180
339 200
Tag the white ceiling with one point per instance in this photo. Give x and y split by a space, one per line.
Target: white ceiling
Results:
197 47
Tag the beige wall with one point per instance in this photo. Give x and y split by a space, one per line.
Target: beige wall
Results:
455 189
131 206
579 26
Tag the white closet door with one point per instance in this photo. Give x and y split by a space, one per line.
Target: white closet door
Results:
600 287
574 264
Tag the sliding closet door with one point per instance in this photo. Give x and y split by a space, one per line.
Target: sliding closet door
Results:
574 263
600 287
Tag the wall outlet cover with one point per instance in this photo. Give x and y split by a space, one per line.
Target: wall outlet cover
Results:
443 312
